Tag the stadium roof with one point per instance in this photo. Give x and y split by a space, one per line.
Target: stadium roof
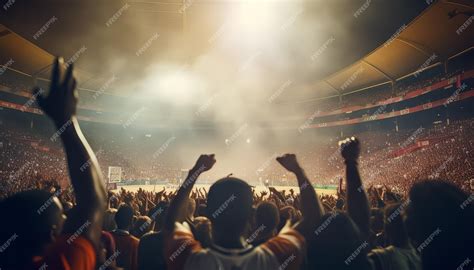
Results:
431 39
24 57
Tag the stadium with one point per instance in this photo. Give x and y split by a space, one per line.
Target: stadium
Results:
185 134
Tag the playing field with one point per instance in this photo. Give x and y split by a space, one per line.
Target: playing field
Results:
258 189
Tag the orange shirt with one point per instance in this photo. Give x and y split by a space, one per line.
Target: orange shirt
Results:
127 246
78 254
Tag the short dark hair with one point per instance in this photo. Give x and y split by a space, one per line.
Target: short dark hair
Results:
267 214
229 204
124 216
30 215
438 211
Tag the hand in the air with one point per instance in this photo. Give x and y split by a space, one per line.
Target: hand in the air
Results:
61 102
289 162
350 149
205 162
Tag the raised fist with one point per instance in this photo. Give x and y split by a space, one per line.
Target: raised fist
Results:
350 149
289 162
205 162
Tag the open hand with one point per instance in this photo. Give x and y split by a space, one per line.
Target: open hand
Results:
61 102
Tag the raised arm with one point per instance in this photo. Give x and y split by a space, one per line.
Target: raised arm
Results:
178 204
339 189
86 177
311 208
357 202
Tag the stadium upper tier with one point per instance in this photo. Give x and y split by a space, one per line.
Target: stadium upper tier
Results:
455 89
410 50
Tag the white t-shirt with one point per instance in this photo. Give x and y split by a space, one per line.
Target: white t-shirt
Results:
284 251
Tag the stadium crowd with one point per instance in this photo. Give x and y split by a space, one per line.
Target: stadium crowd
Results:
411 214
46 160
